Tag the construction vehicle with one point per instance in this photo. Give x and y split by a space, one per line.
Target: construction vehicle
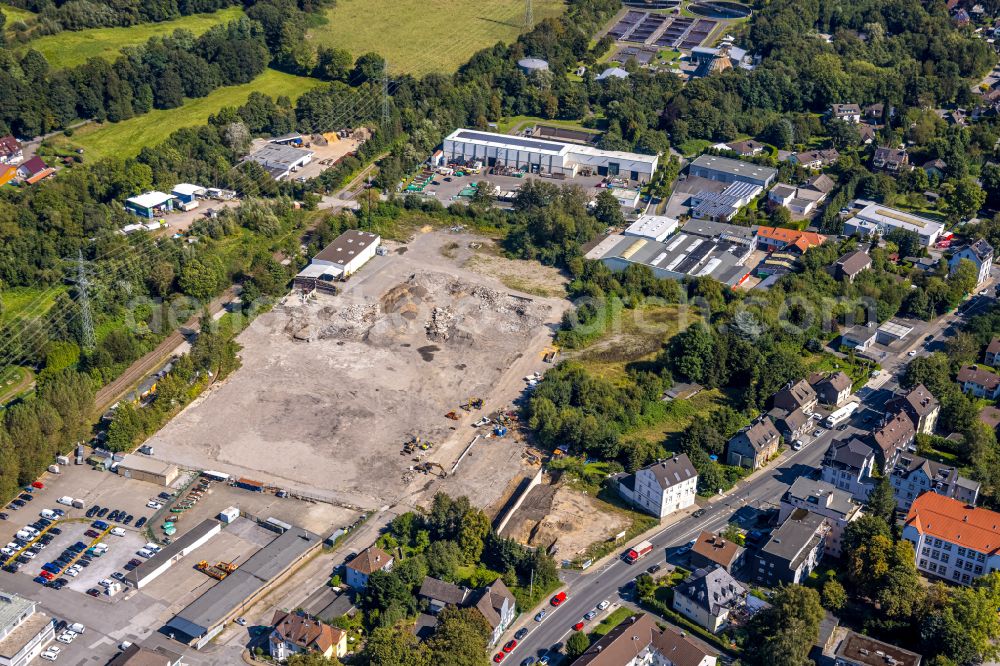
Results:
428 467
216 571
451 415
474 403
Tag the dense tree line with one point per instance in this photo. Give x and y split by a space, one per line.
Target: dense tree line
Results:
53 17
444 542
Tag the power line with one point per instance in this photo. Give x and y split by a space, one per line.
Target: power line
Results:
83 298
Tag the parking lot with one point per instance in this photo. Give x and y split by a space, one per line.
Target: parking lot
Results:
446 189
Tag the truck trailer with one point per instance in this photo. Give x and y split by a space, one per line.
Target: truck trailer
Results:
639 551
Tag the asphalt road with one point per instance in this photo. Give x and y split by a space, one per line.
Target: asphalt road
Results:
585 590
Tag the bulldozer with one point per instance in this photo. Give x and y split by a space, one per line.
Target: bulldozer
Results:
428 468
451 415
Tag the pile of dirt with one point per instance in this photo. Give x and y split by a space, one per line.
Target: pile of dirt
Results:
441 324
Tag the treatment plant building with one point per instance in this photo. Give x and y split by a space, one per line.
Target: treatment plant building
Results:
545 157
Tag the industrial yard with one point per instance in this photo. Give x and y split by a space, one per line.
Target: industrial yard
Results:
340 383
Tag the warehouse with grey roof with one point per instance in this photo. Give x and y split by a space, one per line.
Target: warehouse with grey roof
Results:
207 615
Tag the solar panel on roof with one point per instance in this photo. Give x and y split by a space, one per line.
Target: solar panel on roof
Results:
530 144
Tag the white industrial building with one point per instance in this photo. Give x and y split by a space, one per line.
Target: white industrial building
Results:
875 218
148 571
24 631
349 251
653 227
280 160
544 156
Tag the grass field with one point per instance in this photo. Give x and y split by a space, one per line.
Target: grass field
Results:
27 302
128 137
15 14
71 48
417 37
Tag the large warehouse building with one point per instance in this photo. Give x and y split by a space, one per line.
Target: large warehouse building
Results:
726 170
878 219
206 616
543 156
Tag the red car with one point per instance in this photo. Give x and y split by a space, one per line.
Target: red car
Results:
498 657
509 647
558 599
93 534
48 575
578 626
38 484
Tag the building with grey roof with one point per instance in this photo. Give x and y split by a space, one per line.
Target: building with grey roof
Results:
850 466
921 406
682 255
439 594
914 475
754 445
24 630
797 395
662 488
793 550
280 160
638 640
723 206
791 424
709 597
206 616
728 170
857 650
822 498
170 554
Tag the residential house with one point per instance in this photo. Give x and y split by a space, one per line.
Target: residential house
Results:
935 168
798 200
921 406
754 445
711 550
10 150
792 425
824 499
875 113
796 396
295 633
639 641
661 488
980 253
33 166
979 382
779 239
849 266
439 594
893 437
850 465
858 338
748 148
868 133
890 159
366 563
992 357
914 475
850 113
24 630
952 540
834 389
793 550
815 159
708 597
496 604
857 650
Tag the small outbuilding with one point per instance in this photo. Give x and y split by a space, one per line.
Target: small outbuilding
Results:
187 195
147 469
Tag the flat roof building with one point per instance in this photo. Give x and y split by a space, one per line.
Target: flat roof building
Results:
23 630
858 650
136 655
727 170
150 204
681 255
148 570
144 468
280 160
653 227
544 156
876 218
206 616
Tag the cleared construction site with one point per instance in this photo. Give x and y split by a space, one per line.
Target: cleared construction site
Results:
333 387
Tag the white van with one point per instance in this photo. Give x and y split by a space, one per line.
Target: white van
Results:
65 499
142 552
48 514
23 535
117 531
77 628
152 547
101 547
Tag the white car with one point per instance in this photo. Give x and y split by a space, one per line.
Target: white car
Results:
6 552
604 604
797 445
30 555
117 531
65 638
912 352
142 552
53 648
817 432
72 572
153 505
49 656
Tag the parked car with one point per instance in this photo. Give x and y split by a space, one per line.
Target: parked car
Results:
540 615
94 592
578 626
498 657
127 519
558 599
590 615
93 534
153 505
139 523
653 569
603 605
103 512
698 513
521 633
